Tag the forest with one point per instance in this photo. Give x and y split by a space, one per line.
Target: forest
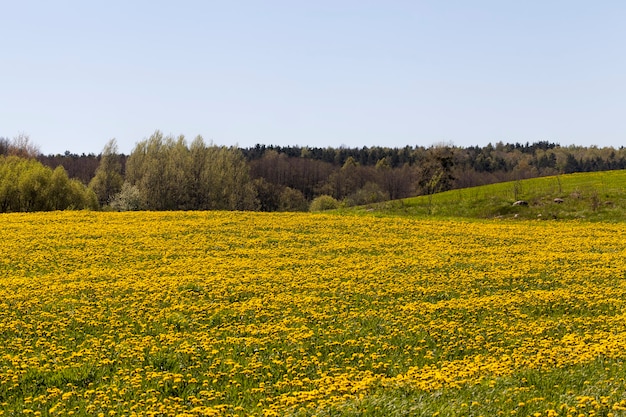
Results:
171 173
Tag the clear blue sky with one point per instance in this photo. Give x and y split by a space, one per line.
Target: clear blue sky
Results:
75 74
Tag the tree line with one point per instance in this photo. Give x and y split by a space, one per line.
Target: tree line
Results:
171 173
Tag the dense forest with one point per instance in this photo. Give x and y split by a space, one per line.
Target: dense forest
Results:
172 173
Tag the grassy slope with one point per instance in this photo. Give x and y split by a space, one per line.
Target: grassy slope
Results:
598 196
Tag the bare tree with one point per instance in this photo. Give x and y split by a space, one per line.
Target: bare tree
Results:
22 146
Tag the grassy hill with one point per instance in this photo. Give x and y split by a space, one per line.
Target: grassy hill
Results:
597 196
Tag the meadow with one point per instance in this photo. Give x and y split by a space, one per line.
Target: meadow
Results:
590 196
256 314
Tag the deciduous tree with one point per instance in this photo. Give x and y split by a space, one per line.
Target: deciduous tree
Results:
108 179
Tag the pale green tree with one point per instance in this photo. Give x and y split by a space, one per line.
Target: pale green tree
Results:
33 183
60 189
173 176
145 168
27 185
108 179
128 199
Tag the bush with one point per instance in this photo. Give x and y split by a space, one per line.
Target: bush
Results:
370 193
324 202
292 200
27 185
128 199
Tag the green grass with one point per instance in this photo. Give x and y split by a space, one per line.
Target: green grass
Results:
596 196
593 389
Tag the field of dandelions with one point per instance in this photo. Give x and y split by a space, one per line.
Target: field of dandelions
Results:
256 314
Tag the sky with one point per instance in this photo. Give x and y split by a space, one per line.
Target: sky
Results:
75 74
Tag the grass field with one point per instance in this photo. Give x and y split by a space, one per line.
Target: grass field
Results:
592 196
218 313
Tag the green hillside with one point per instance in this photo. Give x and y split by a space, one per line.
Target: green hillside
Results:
597 196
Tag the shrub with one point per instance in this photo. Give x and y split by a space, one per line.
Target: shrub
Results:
370 193
324 202
128 199
292 200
